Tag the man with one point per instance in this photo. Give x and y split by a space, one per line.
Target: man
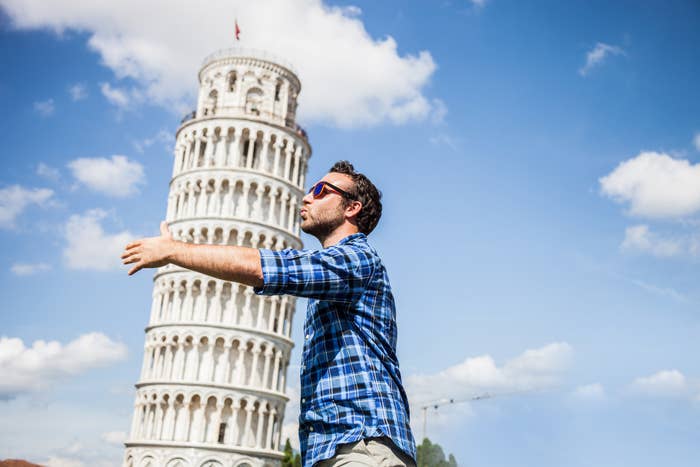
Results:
354 410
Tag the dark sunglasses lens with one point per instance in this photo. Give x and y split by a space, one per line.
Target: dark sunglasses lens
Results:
318 189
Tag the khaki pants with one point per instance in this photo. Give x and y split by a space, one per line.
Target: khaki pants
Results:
370 452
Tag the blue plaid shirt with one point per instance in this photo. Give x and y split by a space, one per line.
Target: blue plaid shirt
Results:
350 381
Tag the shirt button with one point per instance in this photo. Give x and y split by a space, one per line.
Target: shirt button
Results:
308 335
311 429
303 400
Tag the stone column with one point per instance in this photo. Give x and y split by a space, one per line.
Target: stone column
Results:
169 421
257 207
220 152
213 204
273 204
254 365
261 421
245 441
158 425
201 204
227 364
261 309
283 377
251 150
167 364
276 370
240 371
136 421
146 360
197 148
231 435
199 423
270 423
291 217
276 163
287 159
214 315
214 422
295 170
246 313
266 368
236 148
209 160
187 303
264 152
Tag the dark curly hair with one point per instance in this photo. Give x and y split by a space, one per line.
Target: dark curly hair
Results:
366 193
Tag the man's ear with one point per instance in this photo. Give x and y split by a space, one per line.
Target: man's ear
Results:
353 209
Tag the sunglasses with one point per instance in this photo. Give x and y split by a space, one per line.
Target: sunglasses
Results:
321 188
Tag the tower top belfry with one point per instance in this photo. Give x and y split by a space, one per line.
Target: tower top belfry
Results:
250 84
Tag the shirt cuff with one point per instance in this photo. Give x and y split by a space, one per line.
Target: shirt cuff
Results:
275 275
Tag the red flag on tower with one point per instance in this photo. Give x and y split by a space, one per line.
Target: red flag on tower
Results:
238 31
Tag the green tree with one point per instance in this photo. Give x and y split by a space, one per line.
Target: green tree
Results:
290 459
432 455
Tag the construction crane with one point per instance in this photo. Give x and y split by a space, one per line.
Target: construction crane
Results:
441 402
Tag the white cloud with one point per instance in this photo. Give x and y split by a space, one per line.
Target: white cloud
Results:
89 247
15 198
349 78
443 139
27 269
439 112
78 92
597 55
114 437
655 185
25 369
661 291
590 392
117 177
119 97
696 141
533 369
47 171
163 136
665 383
640 238
45 108
67 432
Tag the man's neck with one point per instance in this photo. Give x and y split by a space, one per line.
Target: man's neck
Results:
338 234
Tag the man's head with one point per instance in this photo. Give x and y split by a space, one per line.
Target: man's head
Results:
348 201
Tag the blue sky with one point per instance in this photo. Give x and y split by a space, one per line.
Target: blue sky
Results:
540 166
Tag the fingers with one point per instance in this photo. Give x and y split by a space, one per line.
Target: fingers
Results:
133 244
132 259
127 254
135 269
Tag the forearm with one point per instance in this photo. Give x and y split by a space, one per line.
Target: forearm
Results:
230 263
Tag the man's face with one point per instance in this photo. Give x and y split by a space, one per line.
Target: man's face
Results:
321 216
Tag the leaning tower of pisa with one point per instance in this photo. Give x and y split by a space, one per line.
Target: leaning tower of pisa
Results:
212 386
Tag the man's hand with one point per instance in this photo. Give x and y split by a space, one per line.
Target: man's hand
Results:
151 252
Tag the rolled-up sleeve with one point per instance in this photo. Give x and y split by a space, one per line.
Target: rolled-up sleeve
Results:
339 273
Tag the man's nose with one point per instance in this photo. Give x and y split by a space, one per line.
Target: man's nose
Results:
308 197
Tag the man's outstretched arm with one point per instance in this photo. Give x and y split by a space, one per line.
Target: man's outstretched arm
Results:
230 263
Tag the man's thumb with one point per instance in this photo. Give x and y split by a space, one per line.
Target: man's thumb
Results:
164 228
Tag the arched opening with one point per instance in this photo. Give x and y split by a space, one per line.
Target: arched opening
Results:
253 101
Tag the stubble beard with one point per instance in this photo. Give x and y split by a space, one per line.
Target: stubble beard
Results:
323 227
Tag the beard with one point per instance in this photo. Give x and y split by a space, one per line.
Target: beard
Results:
323 226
